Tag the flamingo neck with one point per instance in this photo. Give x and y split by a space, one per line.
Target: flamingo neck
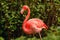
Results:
28 15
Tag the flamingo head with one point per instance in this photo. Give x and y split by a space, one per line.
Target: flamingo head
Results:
25 7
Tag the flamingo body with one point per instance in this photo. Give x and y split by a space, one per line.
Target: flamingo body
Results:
33 26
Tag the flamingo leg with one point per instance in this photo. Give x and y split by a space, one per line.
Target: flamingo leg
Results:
33 34
40 36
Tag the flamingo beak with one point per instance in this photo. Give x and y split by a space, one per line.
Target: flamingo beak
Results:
22 11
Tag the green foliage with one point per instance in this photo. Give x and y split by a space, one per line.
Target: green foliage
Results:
59 20
1 38
53 34
11 20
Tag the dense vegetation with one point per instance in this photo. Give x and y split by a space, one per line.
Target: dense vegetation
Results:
11 19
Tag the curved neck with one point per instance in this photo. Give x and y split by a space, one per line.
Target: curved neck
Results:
28 15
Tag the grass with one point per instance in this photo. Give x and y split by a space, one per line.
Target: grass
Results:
53 34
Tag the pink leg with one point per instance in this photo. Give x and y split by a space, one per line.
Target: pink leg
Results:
40 36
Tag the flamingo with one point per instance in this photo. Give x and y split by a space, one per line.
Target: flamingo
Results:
34 25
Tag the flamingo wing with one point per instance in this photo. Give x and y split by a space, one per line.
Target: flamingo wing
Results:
34 25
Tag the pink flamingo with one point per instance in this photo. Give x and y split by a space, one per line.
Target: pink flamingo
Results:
34 25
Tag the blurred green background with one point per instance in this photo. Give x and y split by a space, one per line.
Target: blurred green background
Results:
11 20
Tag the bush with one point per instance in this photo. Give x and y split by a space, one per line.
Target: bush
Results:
11 20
